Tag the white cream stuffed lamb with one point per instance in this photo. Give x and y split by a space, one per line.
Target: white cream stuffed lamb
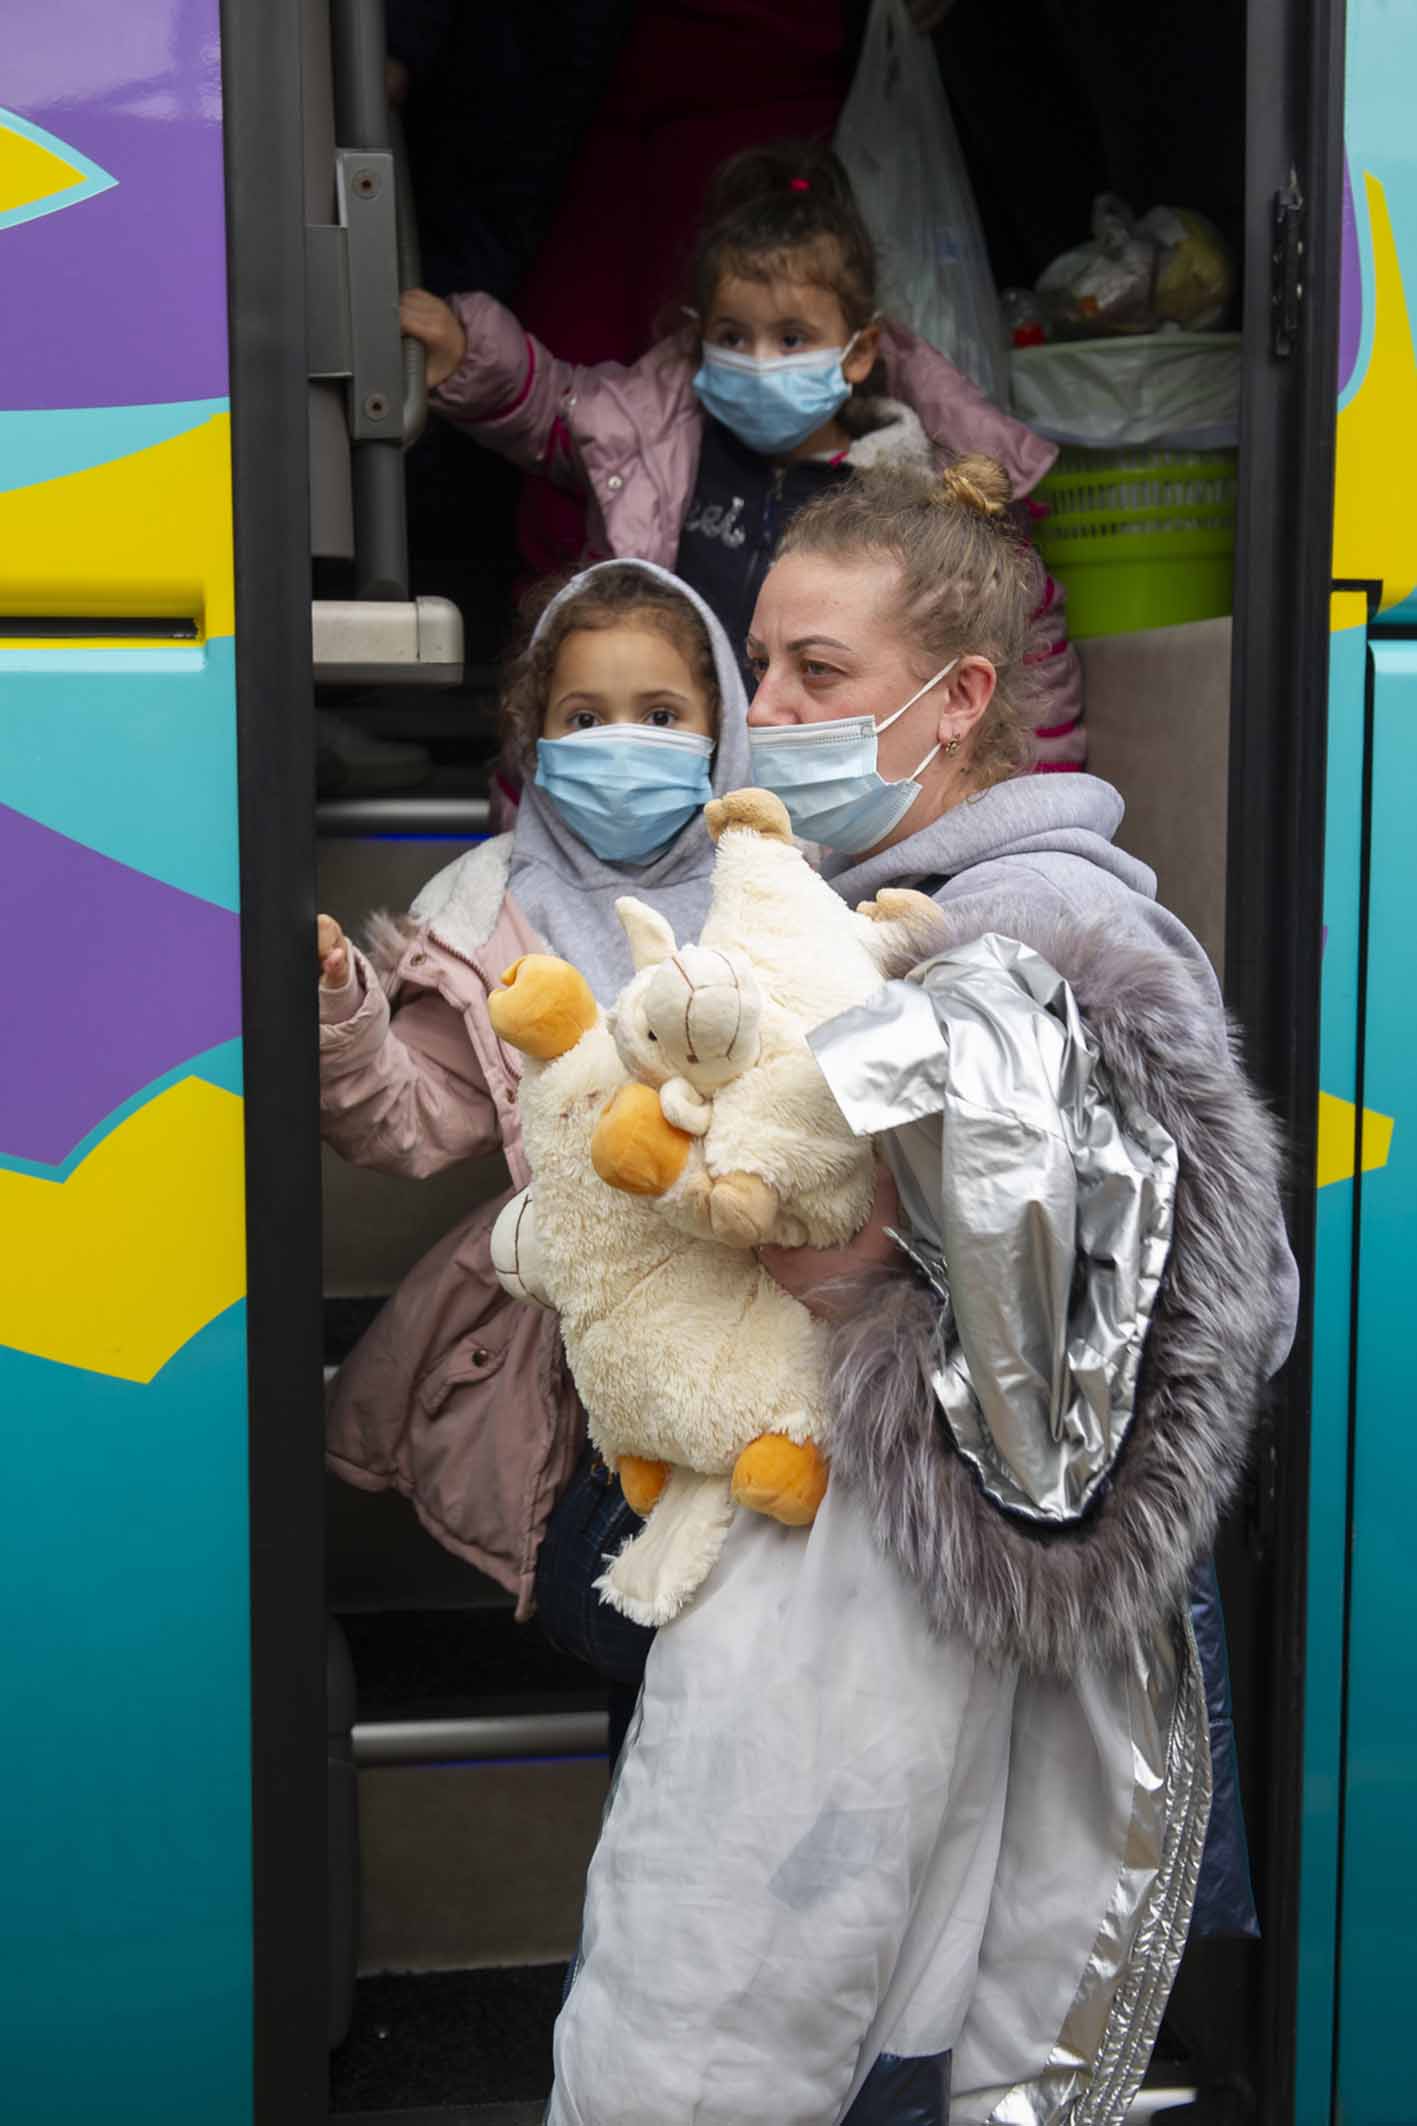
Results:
701 1377
720 1028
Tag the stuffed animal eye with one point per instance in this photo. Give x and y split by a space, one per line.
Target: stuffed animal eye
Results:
654 1037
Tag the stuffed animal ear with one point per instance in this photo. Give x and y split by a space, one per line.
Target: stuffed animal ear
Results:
651 937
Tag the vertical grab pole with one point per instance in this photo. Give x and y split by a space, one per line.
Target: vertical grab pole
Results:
415 357
376 461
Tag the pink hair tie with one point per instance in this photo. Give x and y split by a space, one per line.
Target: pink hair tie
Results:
800 184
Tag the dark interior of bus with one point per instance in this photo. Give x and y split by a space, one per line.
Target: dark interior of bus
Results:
476 1750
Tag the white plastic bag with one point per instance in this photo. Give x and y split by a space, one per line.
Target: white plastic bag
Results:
899 145
1170 391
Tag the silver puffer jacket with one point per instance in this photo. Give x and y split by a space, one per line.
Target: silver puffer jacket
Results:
912 1818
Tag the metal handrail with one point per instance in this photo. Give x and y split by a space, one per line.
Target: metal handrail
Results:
363 818
415 354
484 1740
359 44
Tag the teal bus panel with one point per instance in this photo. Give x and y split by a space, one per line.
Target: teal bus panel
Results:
126 1971
1332 1300
1379 1940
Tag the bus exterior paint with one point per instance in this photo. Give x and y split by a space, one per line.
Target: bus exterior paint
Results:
1357 1945
123 1390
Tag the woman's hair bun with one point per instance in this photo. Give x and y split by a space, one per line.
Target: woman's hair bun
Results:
977 483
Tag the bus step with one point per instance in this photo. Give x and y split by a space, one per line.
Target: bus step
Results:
447 2048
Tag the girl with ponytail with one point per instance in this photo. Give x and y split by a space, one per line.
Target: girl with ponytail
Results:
778 379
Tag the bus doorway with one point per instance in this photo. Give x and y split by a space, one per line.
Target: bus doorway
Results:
1209 730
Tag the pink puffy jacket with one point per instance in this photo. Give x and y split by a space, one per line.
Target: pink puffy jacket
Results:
457 1396
628 437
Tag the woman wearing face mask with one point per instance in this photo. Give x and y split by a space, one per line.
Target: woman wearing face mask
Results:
911 1819
625 712
785 380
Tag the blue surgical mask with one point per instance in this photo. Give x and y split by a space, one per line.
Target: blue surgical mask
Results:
626 789
826 775
774 404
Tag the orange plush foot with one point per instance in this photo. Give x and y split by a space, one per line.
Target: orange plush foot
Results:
914 912
641 1482
759 810
634 1148
742 1210
543 1007
778 1477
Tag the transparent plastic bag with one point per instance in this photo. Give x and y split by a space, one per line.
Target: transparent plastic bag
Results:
898 142
1195 278
1172 267
1107 284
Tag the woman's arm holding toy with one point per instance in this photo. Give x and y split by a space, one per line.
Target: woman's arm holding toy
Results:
817 1276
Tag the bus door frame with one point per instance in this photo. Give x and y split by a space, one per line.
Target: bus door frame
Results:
1293 211
261 83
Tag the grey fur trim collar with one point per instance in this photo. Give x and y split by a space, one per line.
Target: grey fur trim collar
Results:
386 940
1055 1599
463 901
898 437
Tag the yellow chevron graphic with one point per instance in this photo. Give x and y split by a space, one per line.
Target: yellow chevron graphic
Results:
1336 1139
142 536
115 1269
30 172
1377 433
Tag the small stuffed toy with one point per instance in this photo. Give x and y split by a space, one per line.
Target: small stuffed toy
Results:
701 1377
720 1028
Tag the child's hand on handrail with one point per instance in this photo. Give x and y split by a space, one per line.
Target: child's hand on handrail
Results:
429 319
332 952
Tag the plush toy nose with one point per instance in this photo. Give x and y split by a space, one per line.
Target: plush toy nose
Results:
713 1023
701 1012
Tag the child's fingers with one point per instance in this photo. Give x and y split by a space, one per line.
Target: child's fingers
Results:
425 316
332 952
429 319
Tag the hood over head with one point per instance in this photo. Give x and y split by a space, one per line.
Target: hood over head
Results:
567 891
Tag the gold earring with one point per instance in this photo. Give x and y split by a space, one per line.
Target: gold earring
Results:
951 748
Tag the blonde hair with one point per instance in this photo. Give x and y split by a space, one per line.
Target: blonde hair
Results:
613 597
970 585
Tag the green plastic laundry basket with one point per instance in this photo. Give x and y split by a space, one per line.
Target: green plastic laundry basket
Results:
1140 539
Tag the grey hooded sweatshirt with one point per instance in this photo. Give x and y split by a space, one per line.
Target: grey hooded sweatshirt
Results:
1041 844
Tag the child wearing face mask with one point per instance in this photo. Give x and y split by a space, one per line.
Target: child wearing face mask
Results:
624 713
784 380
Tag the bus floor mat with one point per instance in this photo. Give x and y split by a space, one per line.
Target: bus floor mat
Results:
468 2039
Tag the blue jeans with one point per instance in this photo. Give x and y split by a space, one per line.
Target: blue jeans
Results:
590 1523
